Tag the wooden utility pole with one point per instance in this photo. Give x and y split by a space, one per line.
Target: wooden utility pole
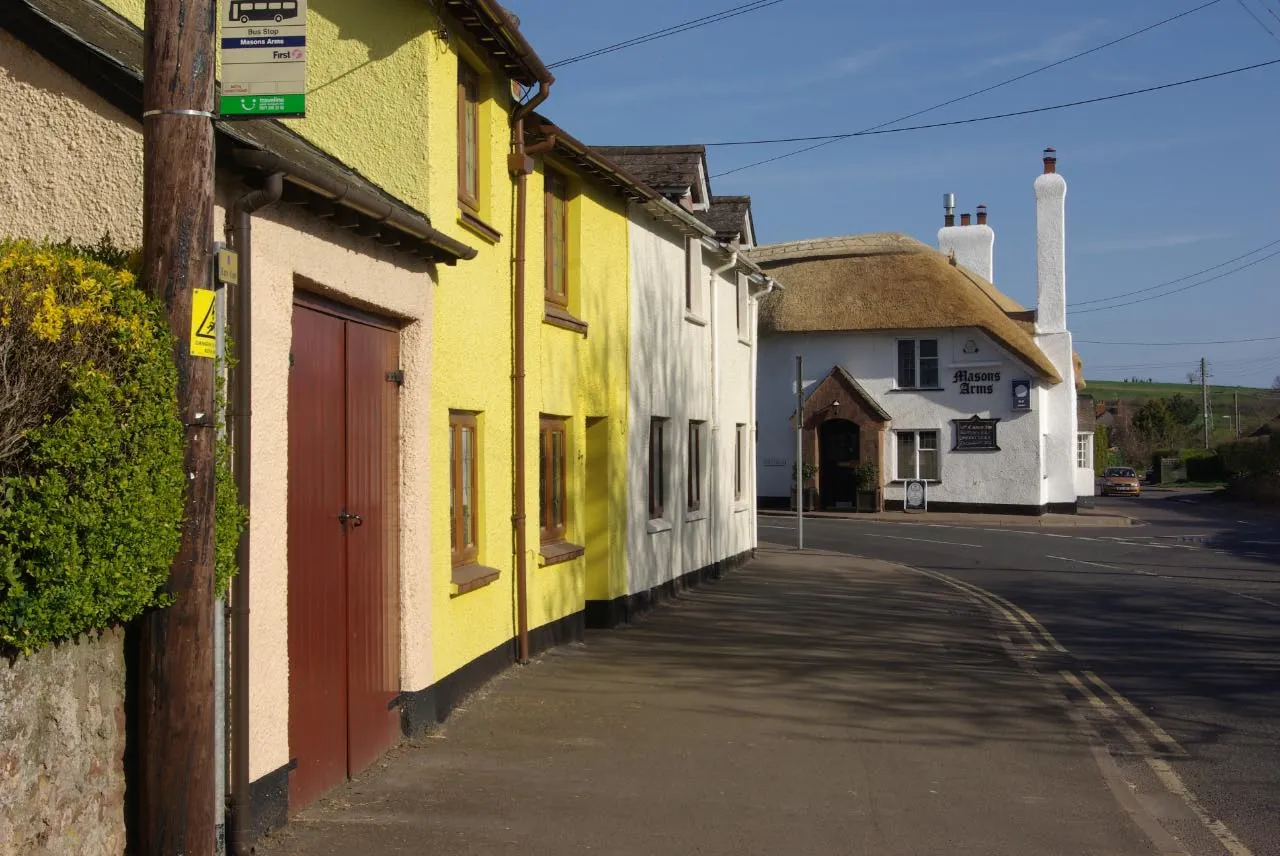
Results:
1235 398
175 697
1204 401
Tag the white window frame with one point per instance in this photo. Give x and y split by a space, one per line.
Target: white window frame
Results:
918 362
897 456
695 290
743 309
1084 450
741 450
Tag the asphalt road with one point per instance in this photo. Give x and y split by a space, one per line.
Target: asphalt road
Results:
1180 615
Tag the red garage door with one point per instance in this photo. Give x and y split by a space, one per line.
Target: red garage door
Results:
344 613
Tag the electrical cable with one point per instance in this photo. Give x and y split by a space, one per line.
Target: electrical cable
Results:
976 92
1180 290
1172 281
673 30
1261 23
1176 344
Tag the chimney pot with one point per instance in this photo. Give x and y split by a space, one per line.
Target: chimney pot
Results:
965 219
949 209
982 215
1050 160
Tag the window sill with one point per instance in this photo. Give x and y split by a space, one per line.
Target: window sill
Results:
695 514
657 524
904 481
471 577
474 224
741 506
558 316
555 552
918 389
694 318
742 341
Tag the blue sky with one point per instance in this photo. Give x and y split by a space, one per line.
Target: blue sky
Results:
1160 185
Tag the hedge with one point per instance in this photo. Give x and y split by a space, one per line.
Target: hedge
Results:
91 476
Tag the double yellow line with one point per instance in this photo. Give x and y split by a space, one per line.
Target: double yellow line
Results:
1140 730
1148 740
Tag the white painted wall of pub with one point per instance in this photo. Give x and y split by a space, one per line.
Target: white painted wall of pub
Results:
1029 469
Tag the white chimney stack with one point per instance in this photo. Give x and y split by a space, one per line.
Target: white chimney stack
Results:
973 246
1051 248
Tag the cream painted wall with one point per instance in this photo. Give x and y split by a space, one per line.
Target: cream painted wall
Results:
56 139
672 377
53 135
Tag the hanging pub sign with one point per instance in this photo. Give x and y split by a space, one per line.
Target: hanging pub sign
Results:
976 383
1022 394
264 58
975 435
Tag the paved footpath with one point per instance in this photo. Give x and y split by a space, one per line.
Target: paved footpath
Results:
808 704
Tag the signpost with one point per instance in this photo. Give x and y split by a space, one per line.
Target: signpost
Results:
264 59
799 452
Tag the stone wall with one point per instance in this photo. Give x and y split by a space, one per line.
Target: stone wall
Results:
61 746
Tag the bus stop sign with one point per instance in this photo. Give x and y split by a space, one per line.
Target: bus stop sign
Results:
264 58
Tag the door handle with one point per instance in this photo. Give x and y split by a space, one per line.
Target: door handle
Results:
356 520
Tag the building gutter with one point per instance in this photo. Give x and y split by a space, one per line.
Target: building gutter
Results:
239 228
440 247
520 164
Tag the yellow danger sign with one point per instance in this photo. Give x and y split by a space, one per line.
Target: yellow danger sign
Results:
204 319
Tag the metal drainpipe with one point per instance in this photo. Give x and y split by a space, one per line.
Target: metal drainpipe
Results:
239 229
522 164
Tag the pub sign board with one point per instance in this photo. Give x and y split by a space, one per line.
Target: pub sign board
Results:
975 435
1022 394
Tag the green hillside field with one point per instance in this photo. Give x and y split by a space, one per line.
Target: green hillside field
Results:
1257 406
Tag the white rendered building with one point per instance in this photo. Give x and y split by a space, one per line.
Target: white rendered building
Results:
913 362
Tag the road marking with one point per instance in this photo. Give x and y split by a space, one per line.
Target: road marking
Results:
1253 597
786 528
980 595
1135 740
1164 772
1133 710
1083 562
922 540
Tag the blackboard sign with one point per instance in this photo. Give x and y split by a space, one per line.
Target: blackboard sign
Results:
975 435
916 496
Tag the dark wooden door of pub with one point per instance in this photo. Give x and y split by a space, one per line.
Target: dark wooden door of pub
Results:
344 614
838 455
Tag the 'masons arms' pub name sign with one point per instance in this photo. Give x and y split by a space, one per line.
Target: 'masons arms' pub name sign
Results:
976 383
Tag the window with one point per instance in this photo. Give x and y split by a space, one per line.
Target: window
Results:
657 467
463 515
693 275
740 462
553 503
743 311
1084 450
918 455
697 439
917 364
557 237
468 137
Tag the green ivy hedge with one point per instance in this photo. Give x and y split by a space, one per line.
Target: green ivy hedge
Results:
91 475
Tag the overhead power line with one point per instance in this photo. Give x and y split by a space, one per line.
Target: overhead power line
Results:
976 92
666 32
993 116
1184 288
1176 344
1172 281
1261 23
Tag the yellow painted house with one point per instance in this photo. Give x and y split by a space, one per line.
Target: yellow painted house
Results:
458 269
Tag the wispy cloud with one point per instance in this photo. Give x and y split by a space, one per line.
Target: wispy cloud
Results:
1151 242
1052 49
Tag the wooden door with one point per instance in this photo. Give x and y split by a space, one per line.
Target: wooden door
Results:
343 546
373 580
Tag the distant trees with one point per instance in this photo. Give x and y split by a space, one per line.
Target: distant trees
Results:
1156 424
1185 411
1275 384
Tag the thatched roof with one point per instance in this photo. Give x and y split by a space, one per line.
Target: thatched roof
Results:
887 281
